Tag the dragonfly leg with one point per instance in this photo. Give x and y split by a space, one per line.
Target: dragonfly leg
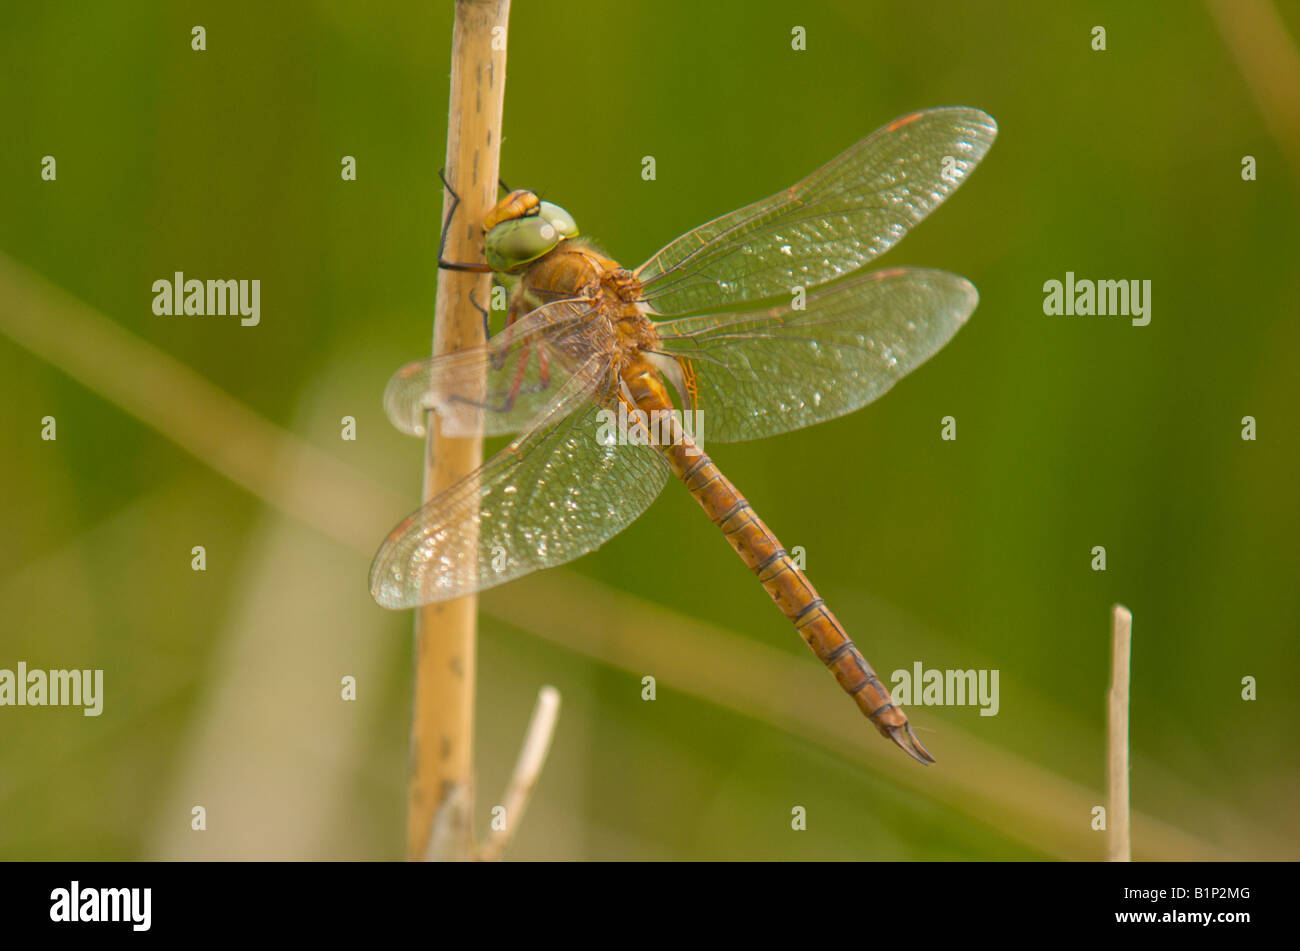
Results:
499 357
516 386
443 263
544 367
507 401
487 326
513 313
520 370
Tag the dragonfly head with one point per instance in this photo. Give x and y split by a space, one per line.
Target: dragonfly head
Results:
523 228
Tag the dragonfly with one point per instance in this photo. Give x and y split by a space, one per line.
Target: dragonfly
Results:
760 322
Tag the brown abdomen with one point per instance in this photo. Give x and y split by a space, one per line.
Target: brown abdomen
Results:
789 587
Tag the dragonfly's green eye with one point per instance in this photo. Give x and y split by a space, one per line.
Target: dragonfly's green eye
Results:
515 242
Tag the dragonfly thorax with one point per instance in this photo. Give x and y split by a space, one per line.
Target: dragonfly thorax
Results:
576 269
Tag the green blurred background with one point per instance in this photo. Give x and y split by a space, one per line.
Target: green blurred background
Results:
223 686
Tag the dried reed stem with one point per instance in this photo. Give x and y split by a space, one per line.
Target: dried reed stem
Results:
532 756
442 732
1117 809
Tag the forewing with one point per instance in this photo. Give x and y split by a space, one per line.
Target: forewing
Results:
558 491
830 224
499 387
767 372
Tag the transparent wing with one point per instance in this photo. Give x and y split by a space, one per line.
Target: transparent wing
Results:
830 224
768 372
558 491
499 387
